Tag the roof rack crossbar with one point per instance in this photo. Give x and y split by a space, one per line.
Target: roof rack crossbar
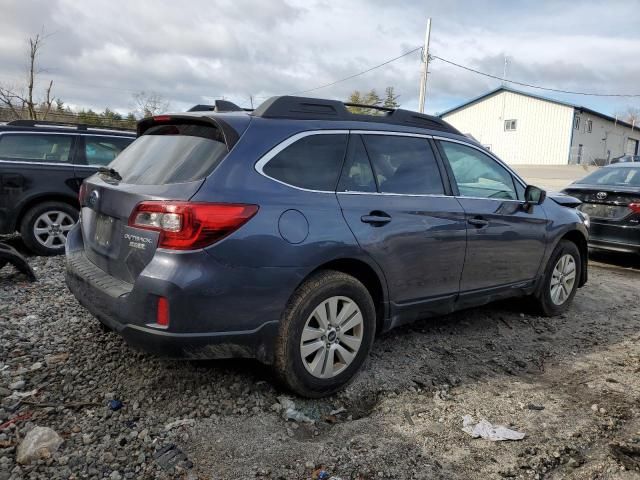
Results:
364 105
218 106
302 108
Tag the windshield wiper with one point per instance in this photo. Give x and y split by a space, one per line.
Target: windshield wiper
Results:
110 172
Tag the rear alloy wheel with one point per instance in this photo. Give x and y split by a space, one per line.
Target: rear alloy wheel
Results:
325 334
561 279
331 337
45 227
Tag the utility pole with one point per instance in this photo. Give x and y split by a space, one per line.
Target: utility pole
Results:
504 71
425 68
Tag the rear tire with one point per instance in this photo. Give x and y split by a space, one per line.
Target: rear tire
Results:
44 228
561 279
336 344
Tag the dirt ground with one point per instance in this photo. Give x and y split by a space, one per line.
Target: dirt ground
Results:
571 384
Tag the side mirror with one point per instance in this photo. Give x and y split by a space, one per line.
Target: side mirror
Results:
534 195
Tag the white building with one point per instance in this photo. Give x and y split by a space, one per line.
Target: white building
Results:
522 128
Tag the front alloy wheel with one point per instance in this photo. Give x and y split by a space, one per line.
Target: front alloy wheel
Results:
563 279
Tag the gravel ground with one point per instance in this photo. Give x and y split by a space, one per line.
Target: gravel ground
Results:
571 384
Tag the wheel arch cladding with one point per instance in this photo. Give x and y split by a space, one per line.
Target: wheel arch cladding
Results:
367 275
580 240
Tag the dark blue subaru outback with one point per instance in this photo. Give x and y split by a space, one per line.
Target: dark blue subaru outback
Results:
296 233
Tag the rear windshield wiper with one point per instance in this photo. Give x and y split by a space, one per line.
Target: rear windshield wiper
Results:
110 172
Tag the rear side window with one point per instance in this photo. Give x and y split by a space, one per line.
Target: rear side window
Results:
102 150
313 162
171 154
33 147
357 175
404 165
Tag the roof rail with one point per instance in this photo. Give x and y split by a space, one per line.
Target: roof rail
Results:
78 126
302 108
218 106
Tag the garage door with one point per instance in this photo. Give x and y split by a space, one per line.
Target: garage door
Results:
632 147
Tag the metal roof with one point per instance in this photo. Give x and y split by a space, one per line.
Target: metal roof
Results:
538 97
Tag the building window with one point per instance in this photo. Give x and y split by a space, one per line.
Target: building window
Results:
589 126
510 125
576 123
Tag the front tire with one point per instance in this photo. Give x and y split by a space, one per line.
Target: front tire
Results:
561 279
325 334
44 228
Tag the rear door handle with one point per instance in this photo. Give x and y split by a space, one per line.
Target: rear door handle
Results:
376 218
478 222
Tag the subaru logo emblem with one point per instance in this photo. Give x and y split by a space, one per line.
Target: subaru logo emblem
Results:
601 195
92 201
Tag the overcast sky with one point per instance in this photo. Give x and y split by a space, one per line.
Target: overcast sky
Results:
192 51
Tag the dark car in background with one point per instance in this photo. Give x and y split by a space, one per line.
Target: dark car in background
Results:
625 159
42 165
296 233
611 198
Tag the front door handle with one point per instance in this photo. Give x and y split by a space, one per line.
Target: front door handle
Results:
376 218
478 222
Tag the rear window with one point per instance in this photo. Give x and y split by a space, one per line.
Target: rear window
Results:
623 176
313 162
34 147
171 154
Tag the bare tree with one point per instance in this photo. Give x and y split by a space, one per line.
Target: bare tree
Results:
17 100
630 115
148 104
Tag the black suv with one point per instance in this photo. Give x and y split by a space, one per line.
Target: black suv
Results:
42 165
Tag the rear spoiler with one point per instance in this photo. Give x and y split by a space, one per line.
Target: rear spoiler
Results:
230 135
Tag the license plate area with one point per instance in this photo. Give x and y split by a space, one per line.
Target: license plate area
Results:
104 230
604 211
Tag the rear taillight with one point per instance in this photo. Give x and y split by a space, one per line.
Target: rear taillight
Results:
635 207
82 193
190 225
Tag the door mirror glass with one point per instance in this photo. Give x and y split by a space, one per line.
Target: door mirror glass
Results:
534 195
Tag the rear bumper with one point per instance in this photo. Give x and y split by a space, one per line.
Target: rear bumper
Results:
615 238
203 323
248 344
611 246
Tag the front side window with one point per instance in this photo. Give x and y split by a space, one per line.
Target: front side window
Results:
477 174
100 150
35 147
313 162
404 165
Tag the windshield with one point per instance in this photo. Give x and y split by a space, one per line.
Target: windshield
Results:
171 154
614 176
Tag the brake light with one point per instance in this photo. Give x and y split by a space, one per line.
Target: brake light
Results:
162 118
82 193
635 207
190 225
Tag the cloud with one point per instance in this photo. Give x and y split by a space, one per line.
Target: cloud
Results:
99 53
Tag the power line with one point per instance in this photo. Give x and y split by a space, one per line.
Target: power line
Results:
358 74
590 94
